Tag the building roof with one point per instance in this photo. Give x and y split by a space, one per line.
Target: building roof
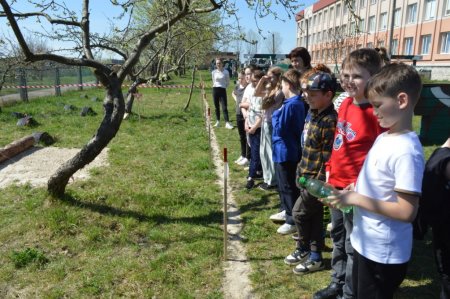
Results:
322 4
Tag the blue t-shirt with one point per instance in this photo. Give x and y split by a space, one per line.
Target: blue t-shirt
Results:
288 122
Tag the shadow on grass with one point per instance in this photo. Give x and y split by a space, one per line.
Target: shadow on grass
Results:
214 217
257 204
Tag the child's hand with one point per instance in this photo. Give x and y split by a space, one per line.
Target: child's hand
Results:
350 187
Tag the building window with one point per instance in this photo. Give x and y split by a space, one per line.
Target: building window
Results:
445 43
373 2
338 10
362 3
324 36
381 43
425 41
447 8
394 47
344 9
397 16
371 24
332 13
383 21
318 19
313 21
325 13
411 13
430 10
362 25
369 45
408 46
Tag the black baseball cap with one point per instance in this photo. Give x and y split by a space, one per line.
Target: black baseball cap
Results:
320 81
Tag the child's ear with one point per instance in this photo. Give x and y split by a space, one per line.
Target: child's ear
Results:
403 100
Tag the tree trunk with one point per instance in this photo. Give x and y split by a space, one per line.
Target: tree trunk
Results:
131 92
114 110
192 88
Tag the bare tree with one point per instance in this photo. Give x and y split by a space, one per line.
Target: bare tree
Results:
68 25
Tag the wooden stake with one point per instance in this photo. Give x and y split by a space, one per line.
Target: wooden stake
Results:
225 204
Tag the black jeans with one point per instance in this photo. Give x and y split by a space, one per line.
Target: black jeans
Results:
288 191
245 149
220 96
255 162
372 280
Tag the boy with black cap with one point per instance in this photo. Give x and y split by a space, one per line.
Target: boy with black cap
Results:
317 139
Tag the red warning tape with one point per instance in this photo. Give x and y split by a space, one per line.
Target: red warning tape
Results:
95 85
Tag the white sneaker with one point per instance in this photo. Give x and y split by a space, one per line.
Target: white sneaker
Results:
217 124
228 126
243 162
239 160
281 216
308 267
329 227
287 229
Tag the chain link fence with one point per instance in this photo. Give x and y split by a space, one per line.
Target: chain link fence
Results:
24 79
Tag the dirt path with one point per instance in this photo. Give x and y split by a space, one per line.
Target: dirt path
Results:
36 165
236 283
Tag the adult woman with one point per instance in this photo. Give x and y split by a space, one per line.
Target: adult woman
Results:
221 80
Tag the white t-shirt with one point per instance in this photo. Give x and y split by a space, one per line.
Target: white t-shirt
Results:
393 164
220 79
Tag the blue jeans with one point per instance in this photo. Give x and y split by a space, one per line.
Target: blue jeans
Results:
255 162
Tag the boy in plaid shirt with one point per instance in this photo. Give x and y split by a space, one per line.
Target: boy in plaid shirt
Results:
317 139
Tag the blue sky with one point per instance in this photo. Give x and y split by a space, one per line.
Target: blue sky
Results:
287 29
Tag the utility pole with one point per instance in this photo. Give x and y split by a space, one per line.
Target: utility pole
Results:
273 43
391 33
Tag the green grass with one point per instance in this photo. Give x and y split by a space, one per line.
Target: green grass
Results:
149 224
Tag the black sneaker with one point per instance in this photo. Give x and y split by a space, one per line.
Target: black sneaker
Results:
266 187
333 290
297 257
250 184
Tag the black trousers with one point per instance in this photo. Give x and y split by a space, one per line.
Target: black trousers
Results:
245 149
441 247
220 97
372 280
287 189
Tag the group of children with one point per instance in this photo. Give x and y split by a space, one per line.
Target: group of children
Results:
365 147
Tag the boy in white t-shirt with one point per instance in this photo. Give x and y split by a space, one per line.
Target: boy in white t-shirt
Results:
388 187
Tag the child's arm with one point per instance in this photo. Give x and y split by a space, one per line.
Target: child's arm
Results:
260 90
405 209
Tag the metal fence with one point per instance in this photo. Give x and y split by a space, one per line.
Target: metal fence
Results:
21 80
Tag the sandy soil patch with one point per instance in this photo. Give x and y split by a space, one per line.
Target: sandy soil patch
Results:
36 165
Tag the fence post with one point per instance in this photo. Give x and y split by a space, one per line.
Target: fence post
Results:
57 83
80 78
23 85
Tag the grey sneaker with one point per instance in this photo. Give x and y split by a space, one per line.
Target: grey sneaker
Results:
297 257
308 267
217 124
228 125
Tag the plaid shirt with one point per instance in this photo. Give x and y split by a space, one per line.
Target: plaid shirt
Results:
318 143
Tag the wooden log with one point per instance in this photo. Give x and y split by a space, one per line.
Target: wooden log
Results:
16 147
